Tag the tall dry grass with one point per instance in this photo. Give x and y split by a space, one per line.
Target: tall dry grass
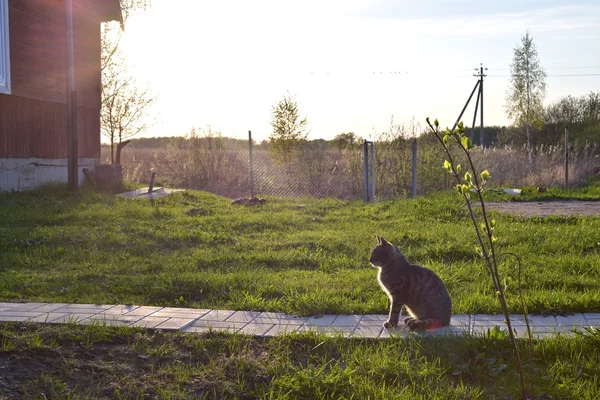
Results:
220 165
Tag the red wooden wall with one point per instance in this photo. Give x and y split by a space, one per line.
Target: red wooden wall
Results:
33 116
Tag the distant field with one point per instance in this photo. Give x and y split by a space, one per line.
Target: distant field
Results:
305 256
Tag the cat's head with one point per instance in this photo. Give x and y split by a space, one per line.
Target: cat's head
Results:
383 252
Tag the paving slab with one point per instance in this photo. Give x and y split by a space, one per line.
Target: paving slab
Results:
144 311
587 316
488 317
368 331
104 322
270 324
52 307
347 320
181 313
49 317
241 316
112 318
218 315
256 329
175 324
445 331
328 329
375 318
282 329
542 320
15 318
25 306
460 320
120 309
206 325
74 318
150 322
576 319
324 320
279 319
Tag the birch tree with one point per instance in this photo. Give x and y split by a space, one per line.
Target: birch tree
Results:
527 89
289 130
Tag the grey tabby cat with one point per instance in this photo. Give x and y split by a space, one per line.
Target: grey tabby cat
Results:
418 288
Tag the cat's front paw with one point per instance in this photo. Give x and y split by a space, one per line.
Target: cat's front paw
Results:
388 324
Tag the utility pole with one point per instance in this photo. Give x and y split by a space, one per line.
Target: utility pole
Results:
481 75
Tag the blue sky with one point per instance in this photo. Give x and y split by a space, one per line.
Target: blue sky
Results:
352 65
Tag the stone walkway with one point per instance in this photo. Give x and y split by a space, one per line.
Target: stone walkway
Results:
270 324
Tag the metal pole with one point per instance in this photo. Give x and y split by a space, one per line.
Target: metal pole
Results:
373 179
465 107
151 186
251 165
414 168
475 117
566 157
481 131
72 167
414 174
366 169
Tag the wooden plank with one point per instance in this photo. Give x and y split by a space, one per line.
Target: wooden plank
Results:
32 128
44 10
33 116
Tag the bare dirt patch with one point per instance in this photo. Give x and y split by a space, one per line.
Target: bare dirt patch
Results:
548 208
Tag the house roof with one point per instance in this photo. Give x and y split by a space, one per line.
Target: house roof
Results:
112 11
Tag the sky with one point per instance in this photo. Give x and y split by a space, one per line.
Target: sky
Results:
352 65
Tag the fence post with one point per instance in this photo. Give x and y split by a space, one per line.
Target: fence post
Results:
250 146
151 186
373 171
566 157
414 168
366 169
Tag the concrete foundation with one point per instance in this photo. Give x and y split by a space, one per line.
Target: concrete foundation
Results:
28 173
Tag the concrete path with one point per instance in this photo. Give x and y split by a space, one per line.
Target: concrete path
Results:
270 324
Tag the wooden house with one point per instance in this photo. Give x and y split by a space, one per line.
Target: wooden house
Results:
33 87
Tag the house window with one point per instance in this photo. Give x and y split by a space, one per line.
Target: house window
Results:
4 49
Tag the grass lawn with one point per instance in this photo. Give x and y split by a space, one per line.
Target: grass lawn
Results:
590 191
303 256
124 363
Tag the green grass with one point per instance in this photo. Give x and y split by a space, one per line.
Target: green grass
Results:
304 256
590 191
42 362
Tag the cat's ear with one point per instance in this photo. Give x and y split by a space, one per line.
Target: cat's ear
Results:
383 242
378 239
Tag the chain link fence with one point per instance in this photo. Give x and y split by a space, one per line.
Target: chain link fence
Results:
242 168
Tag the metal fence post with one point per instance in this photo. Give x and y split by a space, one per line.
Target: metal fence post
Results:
250 146
366 169
566 157
373 171
151 186
414 168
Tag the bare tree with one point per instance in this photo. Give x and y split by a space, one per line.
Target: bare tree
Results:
125 101
125 104
525 96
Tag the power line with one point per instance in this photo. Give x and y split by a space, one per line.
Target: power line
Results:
561 68
552 75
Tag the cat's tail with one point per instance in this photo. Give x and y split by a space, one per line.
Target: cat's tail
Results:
425 324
